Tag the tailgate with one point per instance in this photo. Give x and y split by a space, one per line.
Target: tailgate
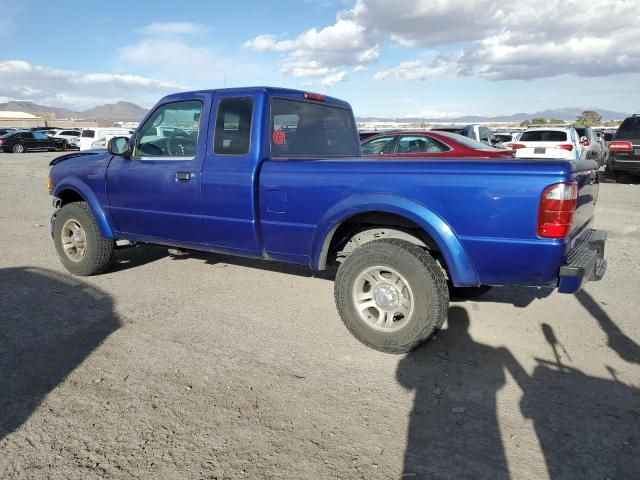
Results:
586 174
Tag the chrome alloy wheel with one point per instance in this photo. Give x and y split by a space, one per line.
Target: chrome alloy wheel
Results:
74 240
383 298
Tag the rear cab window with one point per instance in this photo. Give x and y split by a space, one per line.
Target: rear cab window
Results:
88 133
312 129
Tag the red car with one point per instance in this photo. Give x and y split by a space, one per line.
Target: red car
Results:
429 144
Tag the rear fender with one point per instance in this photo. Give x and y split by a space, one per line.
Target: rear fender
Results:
82 189
458 262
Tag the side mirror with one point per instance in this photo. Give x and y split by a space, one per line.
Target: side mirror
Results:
119 146
584 141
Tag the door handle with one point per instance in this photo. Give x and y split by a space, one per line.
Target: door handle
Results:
184 176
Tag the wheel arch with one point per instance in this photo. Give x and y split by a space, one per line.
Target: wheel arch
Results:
72 190
404 219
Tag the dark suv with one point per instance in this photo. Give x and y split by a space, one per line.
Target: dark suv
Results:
624 149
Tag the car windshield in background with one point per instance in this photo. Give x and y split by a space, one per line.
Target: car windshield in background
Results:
544 136
502 138
629 130
582 132
88 133
466 141
310 129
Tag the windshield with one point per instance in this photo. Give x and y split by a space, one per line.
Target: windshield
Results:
629 130
544 136
311 129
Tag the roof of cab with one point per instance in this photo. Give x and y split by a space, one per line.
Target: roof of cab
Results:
272 91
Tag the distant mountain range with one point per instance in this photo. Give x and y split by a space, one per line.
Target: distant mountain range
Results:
566 114
120 111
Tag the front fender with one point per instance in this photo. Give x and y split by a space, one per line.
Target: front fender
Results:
460 267
82 189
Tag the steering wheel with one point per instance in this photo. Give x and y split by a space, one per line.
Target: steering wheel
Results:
181 144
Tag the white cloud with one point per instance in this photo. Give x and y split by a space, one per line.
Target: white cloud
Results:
318 52
24 81
520 39
174 28
331 80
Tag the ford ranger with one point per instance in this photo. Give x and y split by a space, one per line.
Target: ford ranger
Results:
278 174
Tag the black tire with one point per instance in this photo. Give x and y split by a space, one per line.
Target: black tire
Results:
610 176
18 148
99 252
425 278
467 293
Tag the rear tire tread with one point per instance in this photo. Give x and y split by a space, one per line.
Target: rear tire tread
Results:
439 294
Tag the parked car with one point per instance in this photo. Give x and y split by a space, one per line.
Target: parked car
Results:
550 142
624 149
593 148
429 145
72 137
479 133
90 135
278 174
507 139
20 142
4 131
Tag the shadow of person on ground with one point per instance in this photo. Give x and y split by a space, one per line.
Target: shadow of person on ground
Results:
626 348
587 427
49 324
454 431
520 297
453 427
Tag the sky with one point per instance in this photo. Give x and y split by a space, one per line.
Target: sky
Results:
388 58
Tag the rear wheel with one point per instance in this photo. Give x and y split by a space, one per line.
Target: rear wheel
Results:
18 148
391 295
81 248
610 175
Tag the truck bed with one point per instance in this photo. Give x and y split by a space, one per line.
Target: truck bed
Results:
490 206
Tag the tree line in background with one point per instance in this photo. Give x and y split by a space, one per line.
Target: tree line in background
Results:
588 118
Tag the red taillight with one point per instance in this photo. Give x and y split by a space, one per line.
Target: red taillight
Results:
621 146
557 206
565 146
516 146
314 96
1 141
586 143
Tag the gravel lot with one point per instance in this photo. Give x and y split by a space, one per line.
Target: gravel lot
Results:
207 366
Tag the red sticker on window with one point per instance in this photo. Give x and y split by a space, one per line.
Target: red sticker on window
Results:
280 137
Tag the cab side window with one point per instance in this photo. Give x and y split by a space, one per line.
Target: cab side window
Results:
171 131
233 126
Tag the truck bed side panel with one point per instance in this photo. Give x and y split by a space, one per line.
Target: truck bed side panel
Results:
490 206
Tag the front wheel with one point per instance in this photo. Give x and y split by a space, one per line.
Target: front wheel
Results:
81 248
391 295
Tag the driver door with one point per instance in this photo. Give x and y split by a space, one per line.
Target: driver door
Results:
155 194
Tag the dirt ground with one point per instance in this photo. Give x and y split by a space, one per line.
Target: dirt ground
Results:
207 366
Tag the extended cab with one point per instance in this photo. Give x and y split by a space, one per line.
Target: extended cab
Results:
278 174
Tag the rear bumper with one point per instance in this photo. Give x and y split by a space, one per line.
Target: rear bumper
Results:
584 263
624 165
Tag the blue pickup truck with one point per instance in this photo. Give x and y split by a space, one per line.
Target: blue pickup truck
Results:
278 174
